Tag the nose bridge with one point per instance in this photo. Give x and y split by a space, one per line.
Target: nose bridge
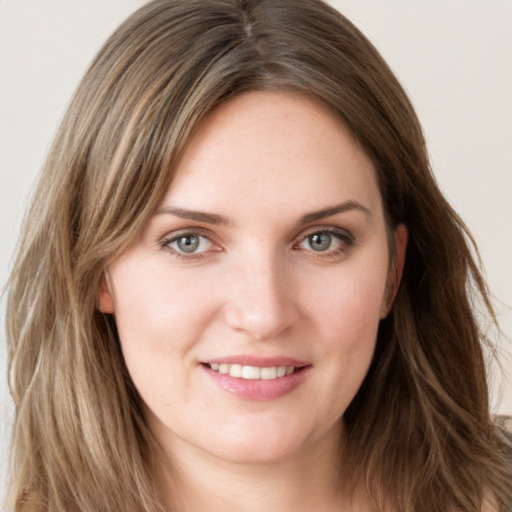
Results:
260 301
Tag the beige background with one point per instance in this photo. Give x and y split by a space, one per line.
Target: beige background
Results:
453 56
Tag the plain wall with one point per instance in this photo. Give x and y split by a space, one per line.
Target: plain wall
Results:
454 58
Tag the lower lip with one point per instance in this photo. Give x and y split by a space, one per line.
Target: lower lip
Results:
258 389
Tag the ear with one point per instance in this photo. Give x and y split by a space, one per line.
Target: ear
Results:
105 299
396 269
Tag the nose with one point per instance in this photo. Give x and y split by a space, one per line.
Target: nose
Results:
261 301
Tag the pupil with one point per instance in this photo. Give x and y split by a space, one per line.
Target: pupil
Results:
188 243
320 241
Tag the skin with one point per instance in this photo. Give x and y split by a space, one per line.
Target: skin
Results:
257 285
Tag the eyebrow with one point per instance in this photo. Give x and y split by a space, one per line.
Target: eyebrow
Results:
333 210
215 219
208 218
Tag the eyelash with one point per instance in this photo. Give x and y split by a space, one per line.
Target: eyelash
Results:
165 245
347 242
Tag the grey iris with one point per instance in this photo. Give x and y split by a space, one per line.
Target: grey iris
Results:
320 241
188 243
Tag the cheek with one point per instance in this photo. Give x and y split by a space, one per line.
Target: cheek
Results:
349 299
159 315
346 314
158 308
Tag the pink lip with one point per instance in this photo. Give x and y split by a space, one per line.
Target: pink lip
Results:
258 390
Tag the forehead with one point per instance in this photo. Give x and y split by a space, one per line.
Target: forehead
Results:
273 150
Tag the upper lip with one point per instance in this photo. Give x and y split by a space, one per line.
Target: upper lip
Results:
261 362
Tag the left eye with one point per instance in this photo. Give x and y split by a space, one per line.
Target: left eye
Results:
189 243
323 241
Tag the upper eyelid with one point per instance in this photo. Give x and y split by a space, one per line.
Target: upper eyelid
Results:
207 233
193 231
323 229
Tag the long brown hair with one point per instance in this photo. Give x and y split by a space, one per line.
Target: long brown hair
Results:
419 430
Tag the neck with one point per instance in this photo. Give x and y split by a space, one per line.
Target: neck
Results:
305 481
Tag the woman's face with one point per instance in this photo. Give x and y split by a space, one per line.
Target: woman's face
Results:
248 309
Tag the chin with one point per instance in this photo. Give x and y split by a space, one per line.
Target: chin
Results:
250 454
265 444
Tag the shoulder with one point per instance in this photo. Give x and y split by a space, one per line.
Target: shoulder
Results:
505 424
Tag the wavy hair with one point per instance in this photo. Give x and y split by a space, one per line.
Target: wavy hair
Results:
419 431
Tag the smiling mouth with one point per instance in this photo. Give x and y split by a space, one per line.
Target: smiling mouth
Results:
253 372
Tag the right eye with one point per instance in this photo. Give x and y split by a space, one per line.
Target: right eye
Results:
327 241
185 245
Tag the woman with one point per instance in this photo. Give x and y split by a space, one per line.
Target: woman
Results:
239 285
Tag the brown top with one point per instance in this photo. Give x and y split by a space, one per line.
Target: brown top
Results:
506 423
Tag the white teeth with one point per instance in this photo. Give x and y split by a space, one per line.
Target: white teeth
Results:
252 372
269 373
281 371
235 370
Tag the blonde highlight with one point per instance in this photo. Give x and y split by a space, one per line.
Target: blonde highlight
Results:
418 432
